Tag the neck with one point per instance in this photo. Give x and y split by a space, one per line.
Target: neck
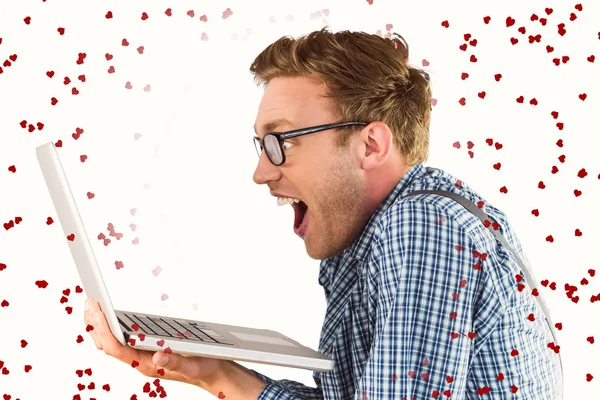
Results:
382 181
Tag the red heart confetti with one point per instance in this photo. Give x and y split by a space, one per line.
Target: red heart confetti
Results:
227 13
80 58
483 390
41 284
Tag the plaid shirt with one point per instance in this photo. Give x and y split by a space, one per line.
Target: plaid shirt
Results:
426 304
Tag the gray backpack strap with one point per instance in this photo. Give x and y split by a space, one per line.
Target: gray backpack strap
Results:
483 217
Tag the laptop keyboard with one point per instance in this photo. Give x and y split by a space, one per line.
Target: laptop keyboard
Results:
177 329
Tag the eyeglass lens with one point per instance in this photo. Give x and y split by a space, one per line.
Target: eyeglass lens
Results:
273 148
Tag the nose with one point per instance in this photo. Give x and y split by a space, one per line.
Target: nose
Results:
265 170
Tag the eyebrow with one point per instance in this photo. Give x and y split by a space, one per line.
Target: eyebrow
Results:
270 126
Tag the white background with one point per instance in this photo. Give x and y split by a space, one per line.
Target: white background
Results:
201 218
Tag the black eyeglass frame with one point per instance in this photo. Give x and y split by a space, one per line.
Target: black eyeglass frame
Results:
281 137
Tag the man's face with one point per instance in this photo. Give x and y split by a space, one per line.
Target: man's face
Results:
326 179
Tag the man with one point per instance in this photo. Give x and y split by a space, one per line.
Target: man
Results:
422 302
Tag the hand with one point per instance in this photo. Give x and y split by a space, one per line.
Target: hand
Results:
197 371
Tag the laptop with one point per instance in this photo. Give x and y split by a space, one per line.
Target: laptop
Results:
182 336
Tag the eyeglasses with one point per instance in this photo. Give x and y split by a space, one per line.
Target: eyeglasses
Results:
274 142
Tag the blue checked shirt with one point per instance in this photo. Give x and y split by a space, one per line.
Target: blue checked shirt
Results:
427 304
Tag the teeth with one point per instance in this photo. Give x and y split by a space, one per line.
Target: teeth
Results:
281 201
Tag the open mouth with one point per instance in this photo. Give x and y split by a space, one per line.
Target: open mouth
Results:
300 209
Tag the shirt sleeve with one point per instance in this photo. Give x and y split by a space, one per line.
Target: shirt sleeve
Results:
428 281
286 389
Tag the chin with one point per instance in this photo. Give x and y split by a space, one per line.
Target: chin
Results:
321 252
314 253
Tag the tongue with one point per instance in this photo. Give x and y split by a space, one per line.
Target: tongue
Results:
299 212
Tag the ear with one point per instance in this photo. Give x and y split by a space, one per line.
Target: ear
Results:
374 145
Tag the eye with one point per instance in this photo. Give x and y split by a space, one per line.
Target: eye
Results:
287 144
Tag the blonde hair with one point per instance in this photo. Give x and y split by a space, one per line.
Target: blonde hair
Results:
366 75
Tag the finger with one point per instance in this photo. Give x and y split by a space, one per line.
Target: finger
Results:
93 333
103 332
110 344
90 306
